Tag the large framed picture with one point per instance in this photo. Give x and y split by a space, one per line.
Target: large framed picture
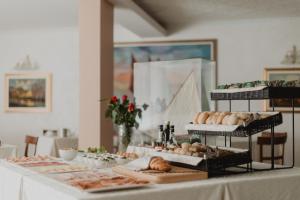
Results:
287 74
126 54
27 92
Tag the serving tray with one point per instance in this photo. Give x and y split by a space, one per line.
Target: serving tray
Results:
177 174
237 131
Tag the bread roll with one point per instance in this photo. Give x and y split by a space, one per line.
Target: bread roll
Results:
195 148
221 117
243 116
202 117
195 120
232 119
225 119
212 119
158 163
241 122
185 146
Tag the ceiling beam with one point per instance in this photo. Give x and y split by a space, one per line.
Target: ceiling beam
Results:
132 17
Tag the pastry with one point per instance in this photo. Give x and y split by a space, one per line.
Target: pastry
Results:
225 119
232 119
195 120
212 119
195 148
241 122
221 117
202 118
185 146
158 163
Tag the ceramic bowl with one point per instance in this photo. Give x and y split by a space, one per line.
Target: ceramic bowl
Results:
67 154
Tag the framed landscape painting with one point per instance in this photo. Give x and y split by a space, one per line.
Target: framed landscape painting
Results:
126 54
287 74
27 92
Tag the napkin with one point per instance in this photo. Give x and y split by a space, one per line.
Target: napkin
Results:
139 164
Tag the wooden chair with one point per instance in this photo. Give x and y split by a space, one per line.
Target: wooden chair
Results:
30 140
265 139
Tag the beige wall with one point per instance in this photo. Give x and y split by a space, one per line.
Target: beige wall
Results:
96 72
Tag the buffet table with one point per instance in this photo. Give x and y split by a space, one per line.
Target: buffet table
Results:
19 184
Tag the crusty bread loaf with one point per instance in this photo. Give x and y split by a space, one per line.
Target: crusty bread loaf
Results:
202 118
158 163
221 117
185 146
195 120
232 120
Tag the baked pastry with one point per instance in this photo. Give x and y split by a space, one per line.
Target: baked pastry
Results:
185 146
225 119
158 163
212 119
202 118
231 120
221 117
195 148
195 120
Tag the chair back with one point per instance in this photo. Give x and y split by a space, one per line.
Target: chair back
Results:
30 140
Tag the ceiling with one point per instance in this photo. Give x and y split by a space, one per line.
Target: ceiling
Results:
16 14
172 13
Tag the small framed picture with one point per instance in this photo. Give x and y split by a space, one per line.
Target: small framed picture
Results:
27 92
287 74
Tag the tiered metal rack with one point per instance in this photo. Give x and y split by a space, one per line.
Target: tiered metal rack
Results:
270 93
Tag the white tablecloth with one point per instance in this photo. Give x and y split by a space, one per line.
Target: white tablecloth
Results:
20 184
7 150
50 145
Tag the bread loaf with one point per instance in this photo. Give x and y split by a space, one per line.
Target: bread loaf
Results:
202 118
195 120
185 146
221 117
158 163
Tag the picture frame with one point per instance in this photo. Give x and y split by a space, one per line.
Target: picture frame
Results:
27 92
128 53
287 74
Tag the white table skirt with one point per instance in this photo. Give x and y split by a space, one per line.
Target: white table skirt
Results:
19 184
50 145
7 150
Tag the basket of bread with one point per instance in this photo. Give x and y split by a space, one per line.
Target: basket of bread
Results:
234 123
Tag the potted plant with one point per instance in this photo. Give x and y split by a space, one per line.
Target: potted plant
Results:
124 115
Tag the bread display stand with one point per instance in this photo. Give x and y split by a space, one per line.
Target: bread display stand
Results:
260 93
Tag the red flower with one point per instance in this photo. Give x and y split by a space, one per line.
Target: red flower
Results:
114 99
124 98
131 107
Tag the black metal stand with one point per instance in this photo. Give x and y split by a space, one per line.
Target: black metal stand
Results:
267 93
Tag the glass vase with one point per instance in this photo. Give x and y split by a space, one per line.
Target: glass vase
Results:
124 137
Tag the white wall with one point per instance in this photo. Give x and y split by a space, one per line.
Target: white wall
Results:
55 51
245 47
